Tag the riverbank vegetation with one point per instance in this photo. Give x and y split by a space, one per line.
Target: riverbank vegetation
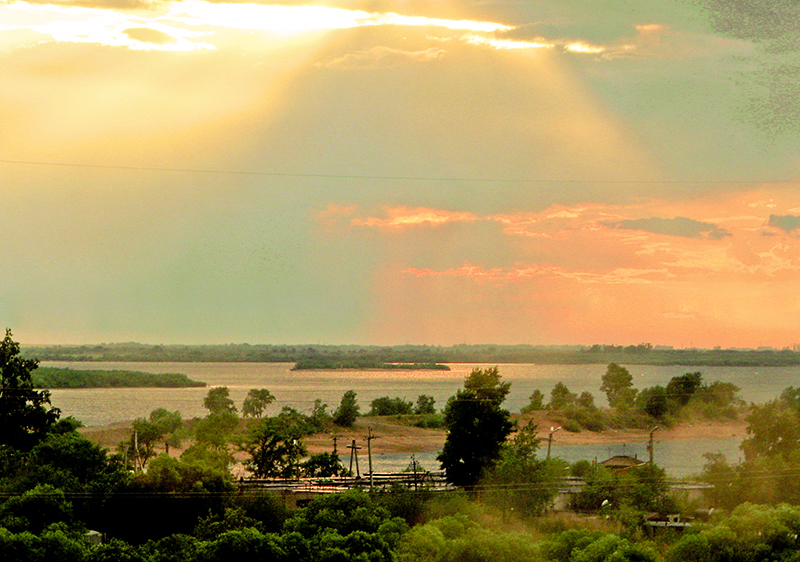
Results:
54 377
685 397
55 486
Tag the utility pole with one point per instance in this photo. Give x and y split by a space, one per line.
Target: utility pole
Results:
550 439
650 444
354 453
369 438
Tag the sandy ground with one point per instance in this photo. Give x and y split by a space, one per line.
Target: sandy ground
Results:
392 437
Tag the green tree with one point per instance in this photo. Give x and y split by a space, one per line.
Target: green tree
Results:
256 402
323 465
424 405
617 383
681 389
521 481
653 401
25 413
477 427
774 429
535 402
169 425
561 397
347 412
385 406
218 401
275 445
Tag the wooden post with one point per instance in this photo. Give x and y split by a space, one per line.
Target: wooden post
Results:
354 453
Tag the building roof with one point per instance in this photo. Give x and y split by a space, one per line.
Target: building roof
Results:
621 462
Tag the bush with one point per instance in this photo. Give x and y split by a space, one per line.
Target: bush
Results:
385 406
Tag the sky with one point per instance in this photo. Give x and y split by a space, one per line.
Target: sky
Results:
395 171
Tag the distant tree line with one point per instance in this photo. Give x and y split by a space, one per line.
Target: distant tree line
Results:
356 356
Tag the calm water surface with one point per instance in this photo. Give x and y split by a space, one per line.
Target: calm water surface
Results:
299 389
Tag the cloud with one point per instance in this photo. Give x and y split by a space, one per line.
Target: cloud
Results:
400 217
383 57
787 223
147 35
679 226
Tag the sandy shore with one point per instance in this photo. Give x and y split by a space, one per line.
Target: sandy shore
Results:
392 437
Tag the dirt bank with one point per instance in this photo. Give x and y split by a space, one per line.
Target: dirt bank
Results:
393 437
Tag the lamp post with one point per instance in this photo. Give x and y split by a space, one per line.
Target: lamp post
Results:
550 439
650 444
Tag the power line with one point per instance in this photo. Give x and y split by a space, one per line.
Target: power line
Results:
388 178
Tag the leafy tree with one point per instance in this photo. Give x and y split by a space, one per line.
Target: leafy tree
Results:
141 445
36 509
169 425
218 401
25 413
617 383
561 397
347 412
586 401
681 389
535 402
323 465
477 427
385 406
256 402
275 445
653 401
320 417
424 405
521 481
774 429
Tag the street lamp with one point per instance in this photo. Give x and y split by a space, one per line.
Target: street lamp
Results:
550 439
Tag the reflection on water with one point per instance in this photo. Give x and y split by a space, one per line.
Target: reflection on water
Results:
299 389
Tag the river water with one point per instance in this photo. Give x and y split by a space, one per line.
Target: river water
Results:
299 389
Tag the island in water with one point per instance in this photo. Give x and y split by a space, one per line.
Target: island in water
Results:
56 377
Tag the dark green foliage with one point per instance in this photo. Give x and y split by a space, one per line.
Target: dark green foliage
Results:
56 377
653 401
385 406
275 445
682 388
642 488
231 519
167 499
536 402
322 465
347 412
25 414
408 504
561 397
36 509
347 526
477 427
173 548
115 550
424 405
